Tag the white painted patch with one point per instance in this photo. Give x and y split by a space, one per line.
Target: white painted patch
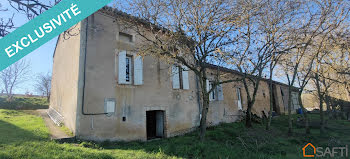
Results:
110 107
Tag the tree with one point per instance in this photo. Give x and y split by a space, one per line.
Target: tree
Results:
188 33
29 8
6 24
330 58
248 58
338 65
273 22
14 75
43 85
261 41
320 18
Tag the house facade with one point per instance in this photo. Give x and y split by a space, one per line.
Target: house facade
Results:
102 90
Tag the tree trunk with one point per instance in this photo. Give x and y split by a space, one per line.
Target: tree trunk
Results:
9 98
322 126
327 100
333 112
307 120
290 124
203 124
248 120
320 97
205 108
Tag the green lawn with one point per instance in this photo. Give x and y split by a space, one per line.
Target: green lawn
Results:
23 135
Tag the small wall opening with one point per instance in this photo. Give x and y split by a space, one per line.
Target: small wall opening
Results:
155 124
125 37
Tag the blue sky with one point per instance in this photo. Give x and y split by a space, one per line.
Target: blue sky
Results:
40 60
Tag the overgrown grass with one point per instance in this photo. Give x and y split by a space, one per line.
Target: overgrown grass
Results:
25 136
24 103
66 130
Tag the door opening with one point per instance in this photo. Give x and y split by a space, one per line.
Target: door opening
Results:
155 124
275 100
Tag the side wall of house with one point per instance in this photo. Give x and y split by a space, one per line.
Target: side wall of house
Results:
64 86
227 110
128 122
282 99
100 83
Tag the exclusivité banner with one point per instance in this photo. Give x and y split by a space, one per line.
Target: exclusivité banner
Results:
45 27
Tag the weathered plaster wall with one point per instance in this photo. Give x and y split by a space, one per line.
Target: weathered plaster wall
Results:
284 98
65 77
227 110
71 89
132 102
279 99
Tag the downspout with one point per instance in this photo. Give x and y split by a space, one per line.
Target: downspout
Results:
84 72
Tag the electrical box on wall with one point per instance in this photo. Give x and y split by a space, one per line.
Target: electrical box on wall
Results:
109 105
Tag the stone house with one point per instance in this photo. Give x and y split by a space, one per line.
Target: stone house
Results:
103 91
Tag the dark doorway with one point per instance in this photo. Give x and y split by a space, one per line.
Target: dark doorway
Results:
275 103
274 98
155 124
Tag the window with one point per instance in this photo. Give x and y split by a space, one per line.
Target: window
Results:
282 92
264 93
212 95
239 94
217 93
239 98
180 77
130 68
125 37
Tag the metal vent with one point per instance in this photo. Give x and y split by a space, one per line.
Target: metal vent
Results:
56 117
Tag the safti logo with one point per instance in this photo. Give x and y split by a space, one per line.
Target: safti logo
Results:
325 152
304 150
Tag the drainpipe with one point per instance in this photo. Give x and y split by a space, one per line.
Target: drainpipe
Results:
84 72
